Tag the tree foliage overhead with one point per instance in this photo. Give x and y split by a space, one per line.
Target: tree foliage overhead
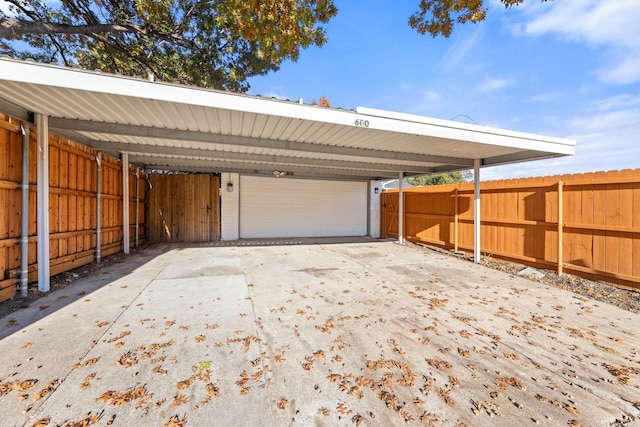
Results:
439 17
441 178
215 43
210 43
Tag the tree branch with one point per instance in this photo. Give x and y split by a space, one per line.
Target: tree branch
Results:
10 27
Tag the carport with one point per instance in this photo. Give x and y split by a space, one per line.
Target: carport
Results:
277 158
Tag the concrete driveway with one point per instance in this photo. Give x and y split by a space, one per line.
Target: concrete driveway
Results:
318 333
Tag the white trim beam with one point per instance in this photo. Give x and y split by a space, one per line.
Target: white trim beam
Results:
476 211
42 132
125 200
401 208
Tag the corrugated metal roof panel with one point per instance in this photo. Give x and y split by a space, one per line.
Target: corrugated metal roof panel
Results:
170 120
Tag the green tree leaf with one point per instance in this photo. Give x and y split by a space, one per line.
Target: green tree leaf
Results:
441 178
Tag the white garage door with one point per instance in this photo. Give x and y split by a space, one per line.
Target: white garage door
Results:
283 207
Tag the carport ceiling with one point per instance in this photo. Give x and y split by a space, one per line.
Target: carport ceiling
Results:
173 127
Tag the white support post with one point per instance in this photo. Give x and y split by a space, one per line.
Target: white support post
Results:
400 208
137 206
125 200
42 130
476 211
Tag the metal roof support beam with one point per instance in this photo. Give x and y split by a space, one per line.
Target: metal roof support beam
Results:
42 129
253 172
176 134
125 200
476 211
140 150
16 111
163 163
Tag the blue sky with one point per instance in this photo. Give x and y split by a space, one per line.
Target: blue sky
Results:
565 68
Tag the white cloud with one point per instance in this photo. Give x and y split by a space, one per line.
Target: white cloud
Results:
611 24
624 100
607 123
459 49
626 70
545 97
490 85
432 96
606 135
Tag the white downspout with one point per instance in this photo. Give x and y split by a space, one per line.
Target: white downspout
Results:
24 229
400 208
137 204
42 129
125 200
476 211
99 208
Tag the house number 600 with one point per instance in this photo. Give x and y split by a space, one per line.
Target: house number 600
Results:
362 123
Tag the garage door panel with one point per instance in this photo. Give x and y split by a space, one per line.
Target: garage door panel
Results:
281 207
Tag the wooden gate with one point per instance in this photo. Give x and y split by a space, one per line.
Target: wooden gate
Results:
389 215
184 208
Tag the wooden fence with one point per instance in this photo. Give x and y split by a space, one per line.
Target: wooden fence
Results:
584 224
184 208
73 173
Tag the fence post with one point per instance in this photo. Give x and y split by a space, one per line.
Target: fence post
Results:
455 223
560 227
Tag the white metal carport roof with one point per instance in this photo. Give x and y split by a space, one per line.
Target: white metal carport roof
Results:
173 127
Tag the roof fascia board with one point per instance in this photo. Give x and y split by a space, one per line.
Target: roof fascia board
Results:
97 82
140 150
516 158
176 134
44 74
478 133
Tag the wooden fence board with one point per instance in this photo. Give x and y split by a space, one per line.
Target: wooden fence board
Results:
635 254
72 204
601 221
625 219
612 215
